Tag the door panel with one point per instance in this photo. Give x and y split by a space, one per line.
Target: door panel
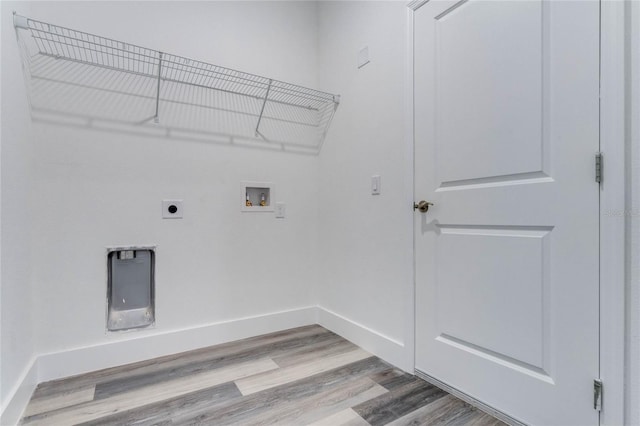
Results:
475 110
501 269
506 127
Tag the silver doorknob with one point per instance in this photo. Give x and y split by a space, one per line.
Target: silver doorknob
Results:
422 205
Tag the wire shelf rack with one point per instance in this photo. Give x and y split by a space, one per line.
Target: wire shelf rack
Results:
84 75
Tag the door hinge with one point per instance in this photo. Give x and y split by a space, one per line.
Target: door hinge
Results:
597 395
599 166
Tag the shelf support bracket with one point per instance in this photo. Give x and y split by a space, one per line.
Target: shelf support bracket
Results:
264 103
156 118
20 21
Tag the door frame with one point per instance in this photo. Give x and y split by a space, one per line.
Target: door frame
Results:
612 200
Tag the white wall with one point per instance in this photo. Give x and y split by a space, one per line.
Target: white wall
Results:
366 240
102 188
93 189
16 321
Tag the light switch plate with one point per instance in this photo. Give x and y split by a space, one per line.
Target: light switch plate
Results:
172 209
375 185
280 210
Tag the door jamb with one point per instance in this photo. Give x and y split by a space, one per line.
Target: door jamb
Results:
612 210
410 338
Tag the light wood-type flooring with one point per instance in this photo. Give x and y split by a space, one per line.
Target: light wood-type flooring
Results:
302 376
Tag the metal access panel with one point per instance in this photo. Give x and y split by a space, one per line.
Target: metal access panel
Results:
131 288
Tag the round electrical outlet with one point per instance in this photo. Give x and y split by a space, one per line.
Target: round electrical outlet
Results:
172 209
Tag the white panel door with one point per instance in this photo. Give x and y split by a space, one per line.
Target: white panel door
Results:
506 130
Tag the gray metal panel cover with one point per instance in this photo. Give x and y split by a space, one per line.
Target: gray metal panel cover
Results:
131 292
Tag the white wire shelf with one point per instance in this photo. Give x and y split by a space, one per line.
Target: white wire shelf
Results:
86 76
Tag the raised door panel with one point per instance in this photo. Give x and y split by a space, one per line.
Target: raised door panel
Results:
489 90
492 286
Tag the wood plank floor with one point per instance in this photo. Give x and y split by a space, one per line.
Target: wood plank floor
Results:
302 376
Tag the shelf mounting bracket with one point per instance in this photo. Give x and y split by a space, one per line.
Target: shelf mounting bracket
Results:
264 103
156 118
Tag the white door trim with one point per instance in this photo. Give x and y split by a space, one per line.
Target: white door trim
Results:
410 303
612 232
612 211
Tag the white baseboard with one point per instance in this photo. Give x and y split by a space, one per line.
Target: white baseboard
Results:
67 363
19 396
91 358
390 350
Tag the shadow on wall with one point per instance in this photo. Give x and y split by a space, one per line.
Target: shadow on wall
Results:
79 79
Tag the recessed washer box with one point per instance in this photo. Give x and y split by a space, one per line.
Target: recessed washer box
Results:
130 288
255 193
